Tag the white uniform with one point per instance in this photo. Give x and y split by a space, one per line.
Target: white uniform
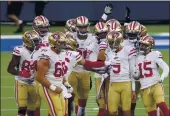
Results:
44 39
149 70
120 70
58 67
25 64
87 48
73 58
101 45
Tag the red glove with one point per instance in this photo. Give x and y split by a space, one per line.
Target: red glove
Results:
25 74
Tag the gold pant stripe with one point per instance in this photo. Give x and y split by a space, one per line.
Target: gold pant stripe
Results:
16 92
49 101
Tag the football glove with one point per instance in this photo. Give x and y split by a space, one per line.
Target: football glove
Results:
127 16
69 87
25 74
161 79
136 73
108 9
101 70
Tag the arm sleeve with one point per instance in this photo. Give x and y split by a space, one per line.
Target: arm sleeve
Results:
163 65
17 51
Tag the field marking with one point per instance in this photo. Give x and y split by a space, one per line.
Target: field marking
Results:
94 109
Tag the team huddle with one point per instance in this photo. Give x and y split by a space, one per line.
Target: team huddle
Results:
56 67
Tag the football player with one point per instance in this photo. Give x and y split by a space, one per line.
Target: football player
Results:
114 25
70 25
80 78
52 67
22 67
100 31
42 26
147 65
122 63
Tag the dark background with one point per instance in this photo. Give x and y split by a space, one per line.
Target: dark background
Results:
59 12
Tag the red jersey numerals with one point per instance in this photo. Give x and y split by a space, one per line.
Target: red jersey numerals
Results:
82 52
27 65
145 67
60 69
116 68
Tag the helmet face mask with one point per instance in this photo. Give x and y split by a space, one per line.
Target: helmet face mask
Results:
132 31
82 26
41 25
82 30
114 40
31 40
101 35
70 25
114 45
57 41
146 43
144 47
133 37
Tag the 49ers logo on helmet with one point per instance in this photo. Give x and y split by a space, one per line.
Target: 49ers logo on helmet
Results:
115 35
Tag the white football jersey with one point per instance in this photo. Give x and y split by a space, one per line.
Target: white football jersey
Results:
101 45
25 64
73 58
120 71
44 39
87 48
149 69
126 42
58 67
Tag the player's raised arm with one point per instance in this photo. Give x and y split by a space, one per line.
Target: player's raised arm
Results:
107 11
127 16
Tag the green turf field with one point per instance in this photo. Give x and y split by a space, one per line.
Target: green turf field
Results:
8 30
9 108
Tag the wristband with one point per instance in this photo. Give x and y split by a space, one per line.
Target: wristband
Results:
52 87
104 16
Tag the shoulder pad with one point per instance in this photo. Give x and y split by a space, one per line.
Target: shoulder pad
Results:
17 50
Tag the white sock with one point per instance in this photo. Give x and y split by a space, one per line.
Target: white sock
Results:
81 111
158 111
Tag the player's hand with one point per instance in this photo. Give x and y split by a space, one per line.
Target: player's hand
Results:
134 97
136 73
161 79
58 90
108 9
127 16
69 87
25 74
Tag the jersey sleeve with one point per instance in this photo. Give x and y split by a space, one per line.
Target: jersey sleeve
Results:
17 51
131 51
75 56
158 55
103 46
78 56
